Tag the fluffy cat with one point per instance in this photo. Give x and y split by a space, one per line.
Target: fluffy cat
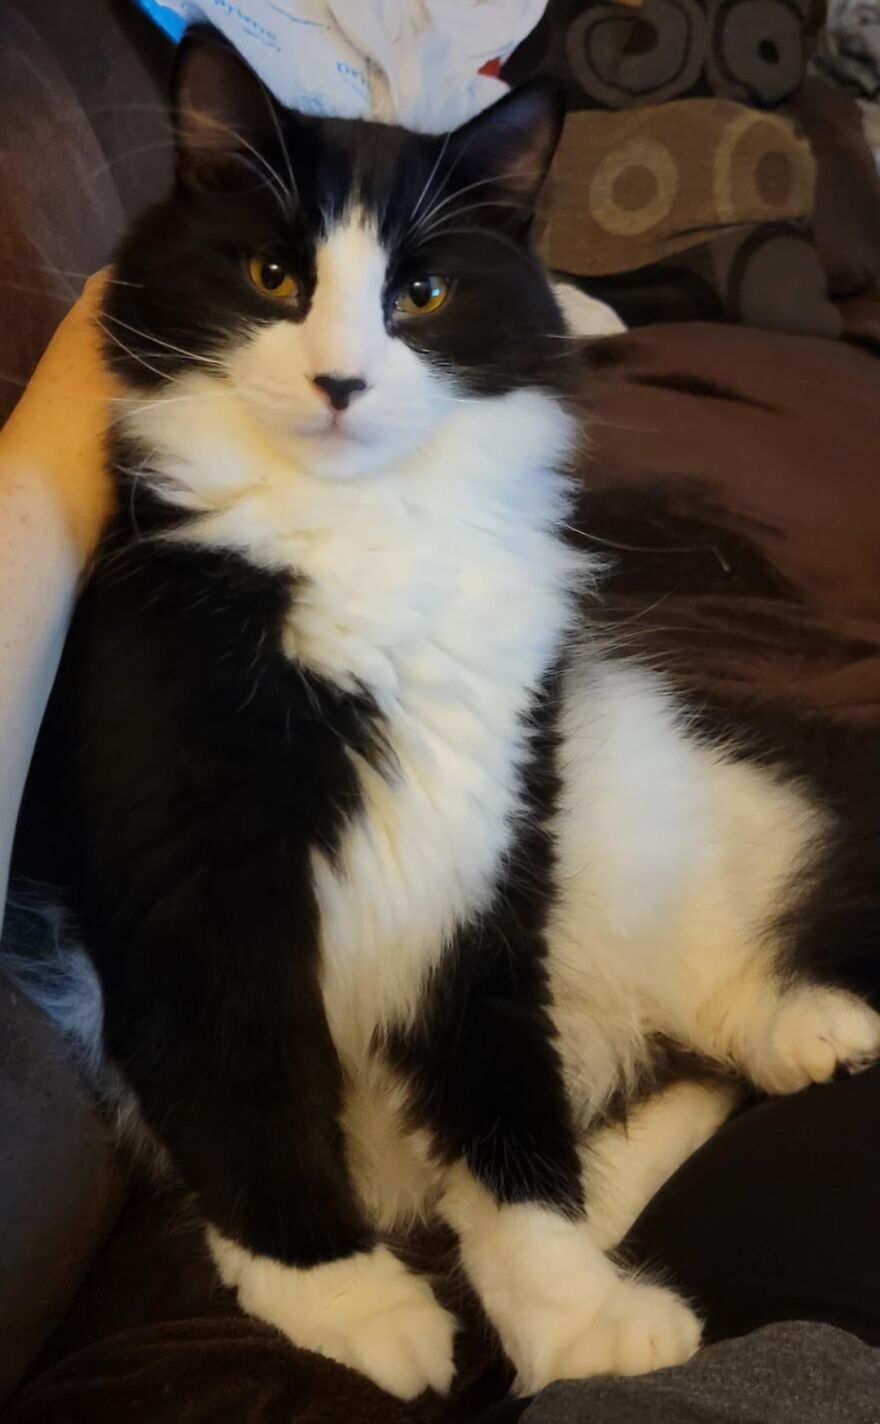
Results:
404 895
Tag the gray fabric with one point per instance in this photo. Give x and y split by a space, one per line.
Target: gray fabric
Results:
790 1373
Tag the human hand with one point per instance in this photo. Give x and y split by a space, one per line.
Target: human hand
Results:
57 432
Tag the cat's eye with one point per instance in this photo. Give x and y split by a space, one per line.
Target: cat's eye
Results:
271 278
422 296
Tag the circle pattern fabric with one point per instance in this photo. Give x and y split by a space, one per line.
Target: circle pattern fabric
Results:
757 52
621 56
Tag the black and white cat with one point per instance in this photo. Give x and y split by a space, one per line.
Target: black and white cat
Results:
401 891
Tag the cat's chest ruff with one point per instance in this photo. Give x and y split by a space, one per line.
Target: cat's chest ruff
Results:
442 589
449 624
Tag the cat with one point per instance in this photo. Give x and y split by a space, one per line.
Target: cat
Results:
407 896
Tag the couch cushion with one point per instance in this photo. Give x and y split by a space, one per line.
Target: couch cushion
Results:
84 145
60 1183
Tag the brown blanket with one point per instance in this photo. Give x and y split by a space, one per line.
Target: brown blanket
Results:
734 482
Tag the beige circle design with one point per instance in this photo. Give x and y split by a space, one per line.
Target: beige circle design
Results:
728 207
642 153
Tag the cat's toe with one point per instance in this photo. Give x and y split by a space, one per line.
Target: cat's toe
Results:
648 1328
638 1328
405 1350
814 1033
366 1311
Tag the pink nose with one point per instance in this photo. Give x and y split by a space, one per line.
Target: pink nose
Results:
339 391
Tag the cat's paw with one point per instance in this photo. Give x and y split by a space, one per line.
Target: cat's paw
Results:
368 1312
404 1345
638 1327
812 1033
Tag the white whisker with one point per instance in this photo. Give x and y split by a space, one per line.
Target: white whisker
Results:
169 345
430 178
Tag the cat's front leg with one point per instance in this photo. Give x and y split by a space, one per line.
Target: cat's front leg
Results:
365 1310
561 1307
236 1073
487 1082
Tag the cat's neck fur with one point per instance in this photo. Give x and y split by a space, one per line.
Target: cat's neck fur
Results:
454 549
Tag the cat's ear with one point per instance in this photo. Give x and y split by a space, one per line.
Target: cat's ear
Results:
512 143
220 105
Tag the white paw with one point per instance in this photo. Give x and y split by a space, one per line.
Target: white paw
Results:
584 315
637 1328
368 1312
811 1034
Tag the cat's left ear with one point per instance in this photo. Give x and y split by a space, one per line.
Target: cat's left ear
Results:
511 145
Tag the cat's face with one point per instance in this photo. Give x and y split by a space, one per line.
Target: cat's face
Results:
348 284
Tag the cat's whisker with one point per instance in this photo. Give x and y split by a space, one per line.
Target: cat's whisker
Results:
424 234
282 144
501 237
430 178
277 184
582 533
459 193
33 291
137 151
141 360
52 270
169 345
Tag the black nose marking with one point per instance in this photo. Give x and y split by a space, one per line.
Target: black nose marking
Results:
339 390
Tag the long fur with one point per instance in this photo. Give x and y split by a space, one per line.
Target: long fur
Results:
407 897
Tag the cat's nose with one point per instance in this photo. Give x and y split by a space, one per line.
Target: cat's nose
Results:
339 391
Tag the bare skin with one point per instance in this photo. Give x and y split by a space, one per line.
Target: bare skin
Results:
54 499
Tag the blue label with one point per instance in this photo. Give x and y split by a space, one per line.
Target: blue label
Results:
171 21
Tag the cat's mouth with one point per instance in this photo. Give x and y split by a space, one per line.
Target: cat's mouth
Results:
338 428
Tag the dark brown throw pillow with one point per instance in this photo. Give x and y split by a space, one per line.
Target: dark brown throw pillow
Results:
613 55
689 211
632 188
846 215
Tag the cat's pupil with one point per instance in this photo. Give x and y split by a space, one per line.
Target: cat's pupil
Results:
272 275
422 291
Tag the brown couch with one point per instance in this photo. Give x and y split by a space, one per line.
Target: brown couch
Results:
733 476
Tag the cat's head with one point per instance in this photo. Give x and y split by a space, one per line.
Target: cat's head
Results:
349 284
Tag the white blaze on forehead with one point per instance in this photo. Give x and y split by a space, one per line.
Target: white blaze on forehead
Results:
345 327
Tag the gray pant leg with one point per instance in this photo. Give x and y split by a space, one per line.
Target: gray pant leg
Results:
788 1373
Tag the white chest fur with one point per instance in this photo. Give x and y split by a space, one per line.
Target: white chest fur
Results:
441 587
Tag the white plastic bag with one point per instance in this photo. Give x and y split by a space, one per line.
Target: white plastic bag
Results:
414 62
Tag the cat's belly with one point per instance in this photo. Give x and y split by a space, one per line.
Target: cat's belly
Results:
675 862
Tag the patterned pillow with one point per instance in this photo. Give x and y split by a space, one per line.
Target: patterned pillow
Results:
632 188
618 54
689 210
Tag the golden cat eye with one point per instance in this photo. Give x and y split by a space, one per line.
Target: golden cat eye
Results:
422 296
271 278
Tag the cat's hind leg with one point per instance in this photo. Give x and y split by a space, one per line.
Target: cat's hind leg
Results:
625 1163
805 1034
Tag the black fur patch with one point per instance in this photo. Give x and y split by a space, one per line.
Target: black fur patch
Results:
202 766
485 1073
831 935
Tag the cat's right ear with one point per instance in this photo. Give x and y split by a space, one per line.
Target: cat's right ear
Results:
221 108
